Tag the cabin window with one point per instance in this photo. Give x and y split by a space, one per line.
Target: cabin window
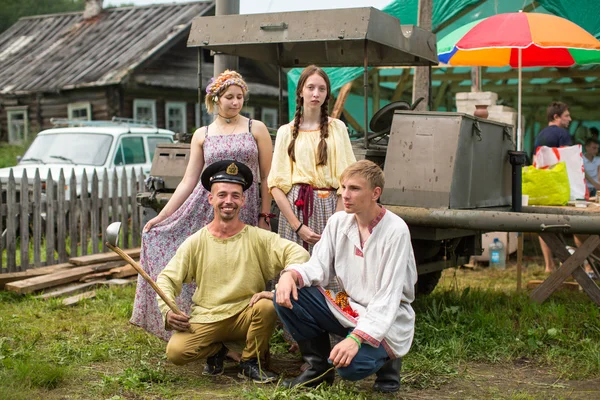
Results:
18 125
144 110
269 117
206 117
248 112
175 116
82 111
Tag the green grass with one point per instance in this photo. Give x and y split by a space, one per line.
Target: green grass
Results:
90 350
486 326
9 153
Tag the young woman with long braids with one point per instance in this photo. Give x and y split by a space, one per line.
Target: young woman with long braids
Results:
229 136
310 154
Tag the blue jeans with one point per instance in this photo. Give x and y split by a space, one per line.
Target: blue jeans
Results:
592 191
310 317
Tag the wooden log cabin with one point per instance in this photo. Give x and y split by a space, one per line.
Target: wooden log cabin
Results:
127 62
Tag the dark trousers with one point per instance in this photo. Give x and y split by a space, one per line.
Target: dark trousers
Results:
310 317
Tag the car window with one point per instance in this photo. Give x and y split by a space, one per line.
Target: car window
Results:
74 147
153 141
119 157
133 150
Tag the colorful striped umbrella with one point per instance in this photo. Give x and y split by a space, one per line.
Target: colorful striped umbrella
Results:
519 40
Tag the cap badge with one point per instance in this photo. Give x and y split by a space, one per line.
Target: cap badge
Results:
232 169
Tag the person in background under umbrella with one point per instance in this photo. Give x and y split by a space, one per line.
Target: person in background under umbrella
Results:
554 135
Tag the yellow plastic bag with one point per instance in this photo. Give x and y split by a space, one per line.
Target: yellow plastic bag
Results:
547 187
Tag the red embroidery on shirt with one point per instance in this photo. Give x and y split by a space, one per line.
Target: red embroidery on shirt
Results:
341 300
358 252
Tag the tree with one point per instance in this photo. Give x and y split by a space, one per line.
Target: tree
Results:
12 10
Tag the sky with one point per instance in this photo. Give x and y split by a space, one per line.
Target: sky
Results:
263 6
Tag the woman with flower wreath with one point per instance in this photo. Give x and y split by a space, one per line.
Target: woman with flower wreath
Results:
311 152
229 136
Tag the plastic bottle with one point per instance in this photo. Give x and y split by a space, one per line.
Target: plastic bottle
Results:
497 255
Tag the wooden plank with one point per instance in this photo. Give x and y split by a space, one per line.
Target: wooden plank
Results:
588 284
50 220
61 215
557 244
58 278
94 212
66 290
24 228
73 214
124 210
353 123
69 301
96 276
118 282
376 95
11 229
105 208
31 272
123 272
400 86
103 257
572 262
37 219
84 204
532 284
338 107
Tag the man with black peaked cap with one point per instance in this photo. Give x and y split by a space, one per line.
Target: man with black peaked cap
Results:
230 263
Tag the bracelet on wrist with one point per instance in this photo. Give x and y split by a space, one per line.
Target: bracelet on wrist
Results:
266 216
351 336
299 227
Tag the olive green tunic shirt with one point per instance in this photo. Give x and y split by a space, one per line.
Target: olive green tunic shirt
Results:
228 272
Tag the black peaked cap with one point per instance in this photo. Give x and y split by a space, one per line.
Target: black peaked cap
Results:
227 171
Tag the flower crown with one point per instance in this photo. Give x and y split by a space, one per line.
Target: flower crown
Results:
222 82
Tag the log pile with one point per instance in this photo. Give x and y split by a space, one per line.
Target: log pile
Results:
77 278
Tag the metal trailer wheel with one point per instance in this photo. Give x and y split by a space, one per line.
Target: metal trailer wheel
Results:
426 283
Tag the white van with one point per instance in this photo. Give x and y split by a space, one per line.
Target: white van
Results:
93 146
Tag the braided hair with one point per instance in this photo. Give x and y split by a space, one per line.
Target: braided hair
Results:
322 147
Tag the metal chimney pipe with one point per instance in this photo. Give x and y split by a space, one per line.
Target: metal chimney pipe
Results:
222 61
517 160
92 8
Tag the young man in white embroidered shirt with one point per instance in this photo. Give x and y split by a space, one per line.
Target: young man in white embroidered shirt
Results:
369 250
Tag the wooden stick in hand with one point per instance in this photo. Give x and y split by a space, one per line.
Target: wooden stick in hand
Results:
146 277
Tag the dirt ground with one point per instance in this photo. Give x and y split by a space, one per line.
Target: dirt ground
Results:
496 381
520 380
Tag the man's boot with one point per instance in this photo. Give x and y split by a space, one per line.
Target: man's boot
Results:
388 377
315 353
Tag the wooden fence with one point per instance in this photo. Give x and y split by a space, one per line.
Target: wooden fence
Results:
45 222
